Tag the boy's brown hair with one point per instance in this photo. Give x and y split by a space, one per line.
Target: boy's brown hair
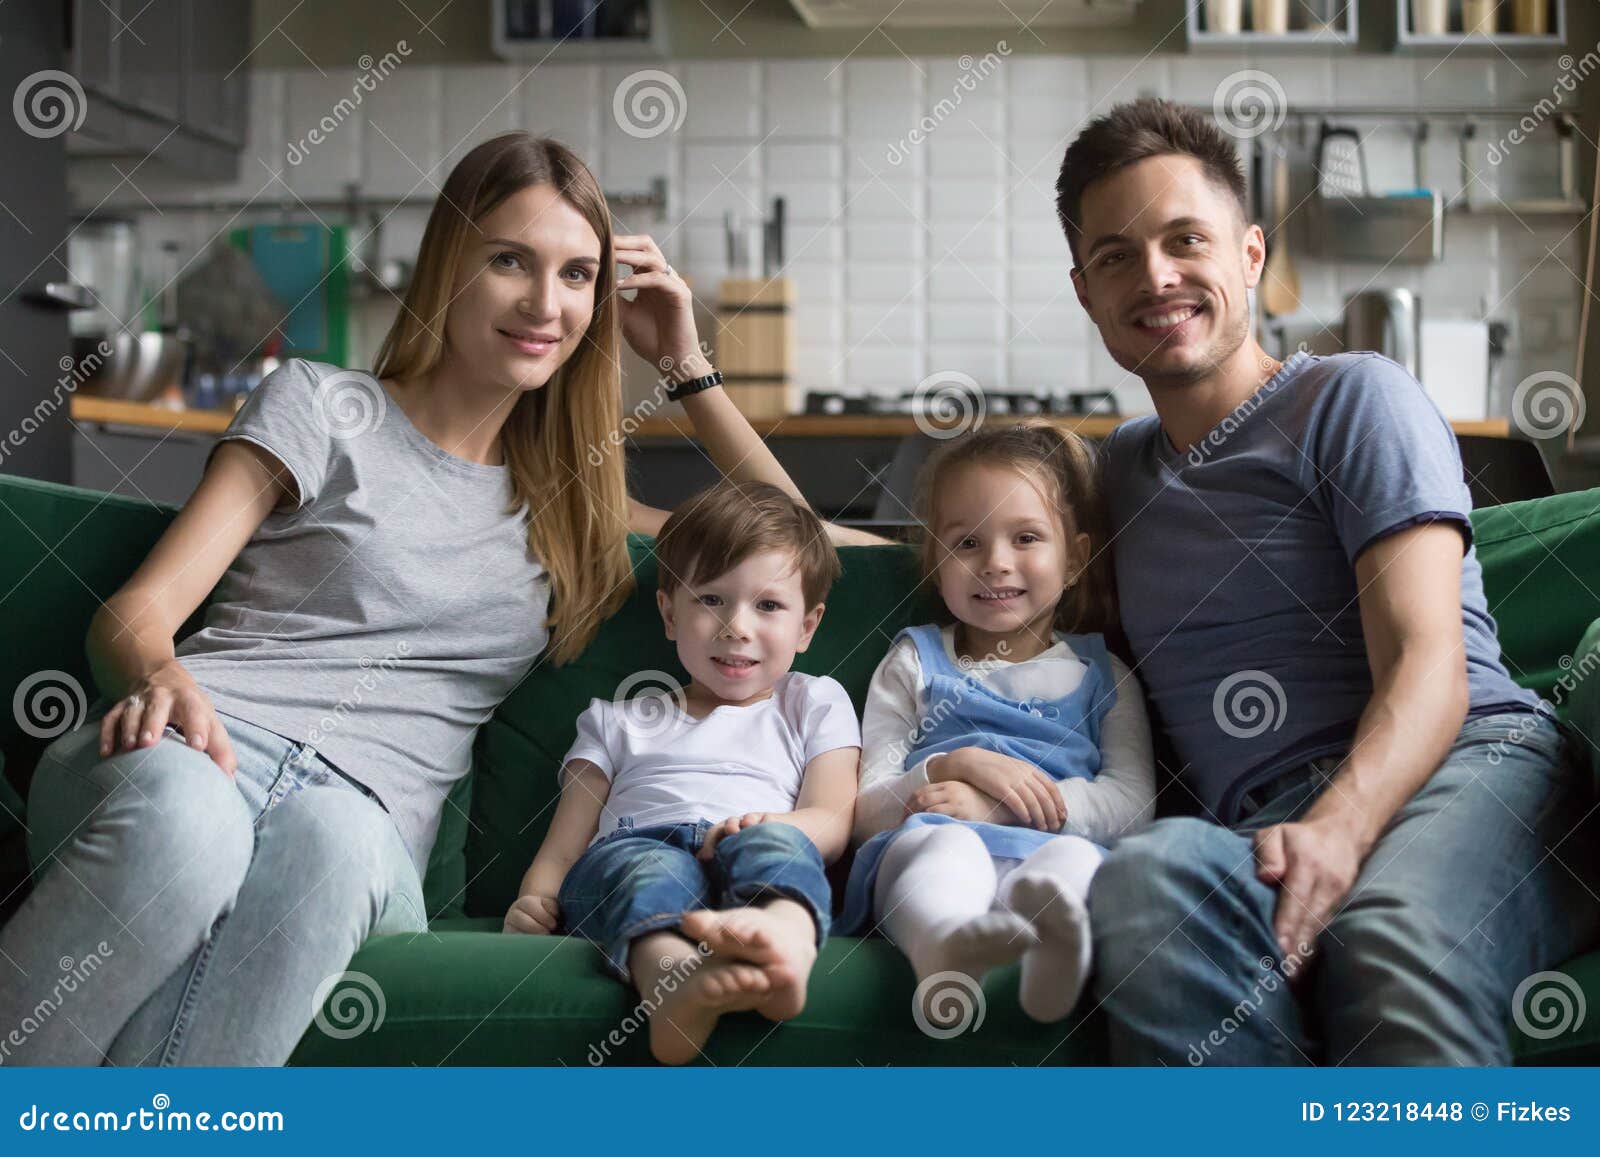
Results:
1065 469
721 526
1134 132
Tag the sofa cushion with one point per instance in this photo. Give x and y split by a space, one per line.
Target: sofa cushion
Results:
466 994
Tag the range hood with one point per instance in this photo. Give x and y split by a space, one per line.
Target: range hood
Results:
962 13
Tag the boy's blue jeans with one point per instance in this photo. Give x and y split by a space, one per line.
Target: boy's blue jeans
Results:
636 881
1483 878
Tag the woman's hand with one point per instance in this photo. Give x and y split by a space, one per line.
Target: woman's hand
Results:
659 322
168 694
959 801
1030 794
728 827
532 915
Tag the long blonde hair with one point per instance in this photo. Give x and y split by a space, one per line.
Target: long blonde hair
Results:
577 500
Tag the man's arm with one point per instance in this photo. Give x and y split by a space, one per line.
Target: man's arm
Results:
1410 591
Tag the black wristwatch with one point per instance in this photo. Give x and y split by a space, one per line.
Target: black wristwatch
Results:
677 391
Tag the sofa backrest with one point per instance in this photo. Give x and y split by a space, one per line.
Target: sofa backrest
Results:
67 549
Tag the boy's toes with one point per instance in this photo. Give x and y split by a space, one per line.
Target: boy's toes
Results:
739 935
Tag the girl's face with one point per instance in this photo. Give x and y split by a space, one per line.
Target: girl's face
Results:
524 290
1006 557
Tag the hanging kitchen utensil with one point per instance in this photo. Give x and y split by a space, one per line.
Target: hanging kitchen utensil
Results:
1341 163
1280 282
1350 224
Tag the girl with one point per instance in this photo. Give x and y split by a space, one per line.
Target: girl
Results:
1014 741
256 802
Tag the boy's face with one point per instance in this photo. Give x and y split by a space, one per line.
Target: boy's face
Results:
739 631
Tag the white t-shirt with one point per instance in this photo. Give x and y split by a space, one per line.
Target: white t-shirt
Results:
666 767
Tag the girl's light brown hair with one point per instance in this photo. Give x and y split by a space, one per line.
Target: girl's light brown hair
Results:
578 508
1065 469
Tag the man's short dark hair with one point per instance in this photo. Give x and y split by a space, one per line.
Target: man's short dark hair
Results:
1134 132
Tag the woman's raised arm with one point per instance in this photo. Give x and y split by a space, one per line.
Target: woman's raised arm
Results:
659 325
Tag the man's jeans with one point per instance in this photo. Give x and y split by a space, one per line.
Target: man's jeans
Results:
1482 879
636 881
184 918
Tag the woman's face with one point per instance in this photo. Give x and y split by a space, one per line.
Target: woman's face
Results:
524 291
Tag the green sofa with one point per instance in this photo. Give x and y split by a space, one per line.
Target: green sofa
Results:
462 993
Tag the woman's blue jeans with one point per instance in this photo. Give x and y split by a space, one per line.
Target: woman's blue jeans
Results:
1485 877
181 917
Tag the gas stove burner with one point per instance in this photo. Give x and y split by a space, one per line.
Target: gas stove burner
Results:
995 403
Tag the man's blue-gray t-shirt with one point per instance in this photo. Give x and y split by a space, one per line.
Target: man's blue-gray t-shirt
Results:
1235 564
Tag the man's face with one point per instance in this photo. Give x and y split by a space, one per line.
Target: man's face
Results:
1166 266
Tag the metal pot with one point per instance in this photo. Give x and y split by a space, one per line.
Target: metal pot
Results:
1389 322
141 366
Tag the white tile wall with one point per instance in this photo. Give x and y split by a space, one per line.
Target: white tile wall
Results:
920 193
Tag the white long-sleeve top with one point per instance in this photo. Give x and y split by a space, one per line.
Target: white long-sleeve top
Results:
1116 801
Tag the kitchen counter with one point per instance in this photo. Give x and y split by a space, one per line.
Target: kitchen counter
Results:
112 410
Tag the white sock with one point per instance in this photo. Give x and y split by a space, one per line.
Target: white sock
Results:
1050 890
934 898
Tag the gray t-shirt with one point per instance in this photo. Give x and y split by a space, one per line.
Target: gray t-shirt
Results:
1235 565
384 617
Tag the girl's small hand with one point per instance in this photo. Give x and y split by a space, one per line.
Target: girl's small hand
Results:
727 827
959 801
168 695
533 915
1029 793
659 322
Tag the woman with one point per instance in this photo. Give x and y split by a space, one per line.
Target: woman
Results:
394 552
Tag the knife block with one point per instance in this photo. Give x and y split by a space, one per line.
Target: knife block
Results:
756 342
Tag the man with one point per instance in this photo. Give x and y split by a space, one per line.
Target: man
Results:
1383 813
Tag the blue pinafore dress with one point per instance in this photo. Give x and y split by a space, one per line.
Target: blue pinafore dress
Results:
1060 736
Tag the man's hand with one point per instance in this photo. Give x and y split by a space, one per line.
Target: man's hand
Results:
730 825
532 915
959 801
1314 863
1030 794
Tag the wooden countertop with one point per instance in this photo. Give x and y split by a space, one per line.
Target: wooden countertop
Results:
86 409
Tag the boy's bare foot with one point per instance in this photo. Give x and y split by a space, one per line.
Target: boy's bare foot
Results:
779 937
685 1017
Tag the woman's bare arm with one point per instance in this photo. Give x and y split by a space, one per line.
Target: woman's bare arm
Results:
131 638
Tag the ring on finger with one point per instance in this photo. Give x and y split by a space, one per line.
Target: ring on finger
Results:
135 701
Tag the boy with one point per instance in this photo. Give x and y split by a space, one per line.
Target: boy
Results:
708 815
